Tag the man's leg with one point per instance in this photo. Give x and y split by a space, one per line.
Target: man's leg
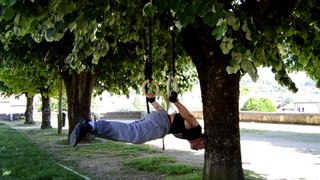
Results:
112 130
80 131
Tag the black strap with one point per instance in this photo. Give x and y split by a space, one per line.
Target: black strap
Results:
150 50
148 59
172 62
173 53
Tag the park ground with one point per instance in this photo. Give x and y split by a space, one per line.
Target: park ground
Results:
272 151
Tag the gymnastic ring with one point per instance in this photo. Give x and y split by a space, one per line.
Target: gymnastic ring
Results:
175 85
143 87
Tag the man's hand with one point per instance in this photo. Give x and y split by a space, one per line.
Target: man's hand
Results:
151 98
173 97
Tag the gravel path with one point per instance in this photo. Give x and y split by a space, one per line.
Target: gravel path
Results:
275 151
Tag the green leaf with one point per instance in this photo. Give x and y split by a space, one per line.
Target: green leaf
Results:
226 45
246 65
203 9
177 6
160 4
111 20
185 18
8 2
82 24
236 56
192 8
149 9
210 19
247 31
220 30
8 13
233 69
233 21
236 26
16 19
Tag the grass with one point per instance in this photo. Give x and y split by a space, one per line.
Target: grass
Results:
21 159
28 153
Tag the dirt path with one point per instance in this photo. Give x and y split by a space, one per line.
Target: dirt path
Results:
275 151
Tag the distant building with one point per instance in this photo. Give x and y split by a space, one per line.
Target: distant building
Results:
309 107
12 105
302 103
287 108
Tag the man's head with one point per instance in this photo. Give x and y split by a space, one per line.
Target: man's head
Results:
199 143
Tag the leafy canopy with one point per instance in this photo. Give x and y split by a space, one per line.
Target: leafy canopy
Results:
277 34
103 37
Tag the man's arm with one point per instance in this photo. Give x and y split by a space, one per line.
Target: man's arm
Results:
155 105
186 115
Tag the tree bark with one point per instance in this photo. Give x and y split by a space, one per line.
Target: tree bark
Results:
220 96
46 112
60 115
79 91
29 110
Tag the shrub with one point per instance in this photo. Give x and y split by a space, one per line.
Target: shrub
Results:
261 105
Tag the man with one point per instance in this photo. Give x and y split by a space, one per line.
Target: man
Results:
153 126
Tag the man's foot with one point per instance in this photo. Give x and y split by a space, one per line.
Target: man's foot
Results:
80 131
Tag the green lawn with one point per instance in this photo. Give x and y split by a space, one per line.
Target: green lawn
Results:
31 153
21 159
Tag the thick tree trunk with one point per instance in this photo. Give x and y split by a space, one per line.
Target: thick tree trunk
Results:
46 112
220 95
29 110
79 91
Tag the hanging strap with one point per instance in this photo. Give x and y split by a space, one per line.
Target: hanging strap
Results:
172 74
171 78
148 60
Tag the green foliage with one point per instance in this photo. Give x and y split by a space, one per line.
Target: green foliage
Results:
102 37
261 105
53 104
271 37
23 69
244 90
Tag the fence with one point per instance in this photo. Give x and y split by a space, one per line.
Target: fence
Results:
287 118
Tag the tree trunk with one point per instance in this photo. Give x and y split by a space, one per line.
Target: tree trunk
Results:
79 91
46 112
60 116
29 110
220 96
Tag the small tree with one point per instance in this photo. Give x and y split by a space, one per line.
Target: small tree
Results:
262 105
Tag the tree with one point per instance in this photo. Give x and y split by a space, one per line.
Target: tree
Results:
227 39
262 105
24 74
16 82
